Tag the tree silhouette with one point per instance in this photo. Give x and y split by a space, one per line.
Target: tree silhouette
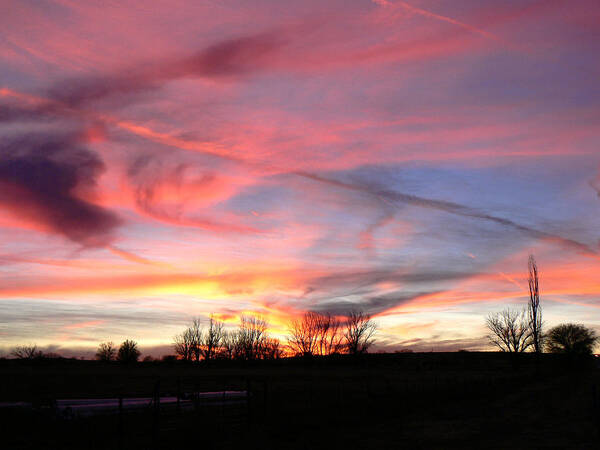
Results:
272 349
228 344
303 336
359 332
196 334
106 351
26 352
571 338
330 334
250 338
534 309
510 330
184 345
315 333
128 352
212 339
188 345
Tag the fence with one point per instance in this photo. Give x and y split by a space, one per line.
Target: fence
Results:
217 412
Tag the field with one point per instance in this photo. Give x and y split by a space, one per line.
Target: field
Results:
427 400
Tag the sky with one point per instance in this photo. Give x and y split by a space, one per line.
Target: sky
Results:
166 160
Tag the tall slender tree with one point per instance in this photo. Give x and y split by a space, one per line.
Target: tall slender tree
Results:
534 310
212 339
197 334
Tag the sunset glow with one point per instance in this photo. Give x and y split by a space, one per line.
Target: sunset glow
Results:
166 160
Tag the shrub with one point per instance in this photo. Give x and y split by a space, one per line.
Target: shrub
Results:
571 338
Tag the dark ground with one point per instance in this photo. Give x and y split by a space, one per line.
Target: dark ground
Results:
411 401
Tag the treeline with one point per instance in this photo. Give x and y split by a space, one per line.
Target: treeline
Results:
312 334
250 341
107 351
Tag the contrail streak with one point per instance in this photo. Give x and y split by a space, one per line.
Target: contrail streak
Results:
431 15
453 208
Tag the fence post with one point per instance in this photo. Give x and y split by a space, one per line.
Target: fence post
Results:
248 401
222 407
156 415
178 395
340 395
120 422
265 399
596 407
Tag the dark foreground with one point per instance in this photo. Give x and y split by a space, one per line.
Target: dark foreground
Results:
411 401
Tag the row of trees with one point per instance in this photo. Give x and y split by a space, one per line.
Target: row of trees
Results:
107 351
250 341
127 352
517 331
312 334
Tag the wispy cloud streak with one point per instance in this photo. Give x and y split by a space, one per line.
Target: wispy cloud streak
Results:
431 15
452 208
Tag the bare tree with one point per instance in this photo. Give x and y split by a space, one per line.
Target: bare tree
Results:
26 352
315 334
534 309
510 330
188 344
358 336
196 334
303 336
330 334
106 351
212 339
128 352
228 344
184 345
250 337
272 349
